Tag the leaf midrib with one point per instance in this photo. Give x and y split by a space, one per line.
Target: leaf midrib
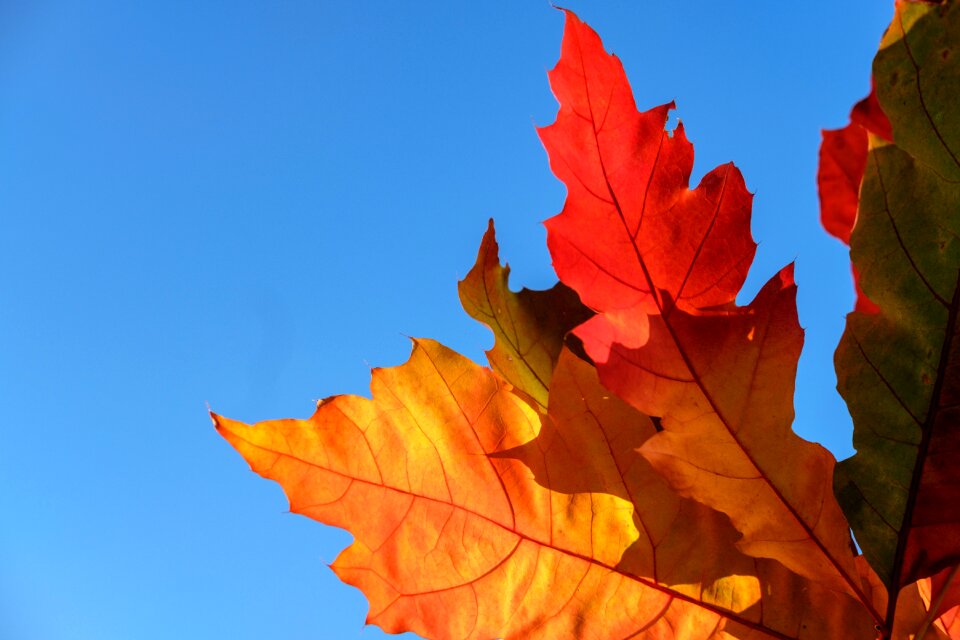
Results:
923 449
522 536
660 306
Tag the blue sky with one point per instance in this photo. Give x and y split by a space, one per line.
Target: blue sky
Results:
249 204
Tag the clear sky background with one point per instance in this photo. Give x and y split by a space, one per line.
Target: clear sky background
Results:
249 204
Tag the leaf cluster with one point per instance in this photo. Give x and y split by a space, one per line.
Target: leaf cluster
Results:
626 466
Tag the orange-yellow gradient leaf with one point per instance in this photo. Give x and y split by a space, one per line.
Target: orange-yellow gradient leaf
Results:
476 516
661 265
529 326
912 607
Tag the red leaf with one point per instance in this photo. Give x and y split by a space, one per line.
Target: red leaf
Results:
627 182
662 265
843 159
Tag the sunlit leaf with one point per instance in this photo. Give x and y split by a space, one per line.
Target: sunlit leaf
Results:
662 269
529 326
473 521
843 159
898 368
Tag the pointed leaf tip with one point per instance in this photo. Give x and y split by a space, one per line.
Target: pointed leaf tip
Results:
529 327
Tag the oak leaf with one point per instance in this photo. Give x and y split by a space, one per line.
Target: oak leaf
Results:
843 159
898 368
662 269
529 326
441 480
941 597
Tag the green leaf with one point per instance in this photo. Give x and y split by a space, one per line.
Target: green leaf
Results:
899 369
529 326
917 72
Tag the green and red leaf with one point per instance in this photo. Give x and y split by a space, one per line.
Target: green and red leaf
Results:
899 368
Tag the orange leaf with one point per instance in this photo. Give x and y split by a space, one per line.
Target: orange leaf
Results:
941 598
912 607
457 536
661 265
627 469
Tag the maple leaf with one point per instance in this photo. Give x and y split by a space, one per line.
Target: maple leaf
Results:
661 269
898 368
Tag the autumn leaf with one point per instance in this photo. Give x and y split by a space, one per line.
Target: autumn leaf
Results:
949 623
662 268
916 70
913 610
680 536
897 369
581 501
457 536
529 326
941 597
843 159
944 589
681 543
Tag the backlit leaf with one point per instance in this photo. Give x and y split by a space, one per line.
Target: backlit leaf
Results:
843 158
662 267
941 597
618 242
917 70
444 480
898 369
529 326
